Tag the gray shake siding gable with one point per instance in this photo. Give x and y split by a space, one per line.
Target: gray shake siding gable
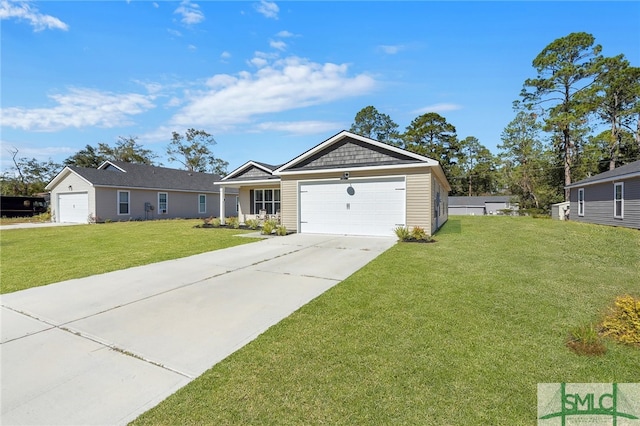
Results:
599 193
351 152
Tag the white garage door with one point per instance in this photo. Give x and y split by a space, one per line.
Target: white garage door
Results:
73 208
352 207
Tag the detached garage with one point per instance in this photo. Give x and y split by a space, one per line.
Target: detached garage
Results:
348 184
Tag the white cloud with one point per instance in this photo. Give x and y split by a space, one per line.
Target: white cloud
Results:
192 48
78 108
300 127
156 5
268 9
175 33
391 49
22 10
438 108
277 44
191 13
225 55
285 34
286 84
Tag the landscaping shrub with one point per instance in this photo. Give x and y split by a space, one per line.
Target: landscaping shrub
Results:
623 321
233 222
215 222
269 226
403 233
418 233
585 340
252 223
281 230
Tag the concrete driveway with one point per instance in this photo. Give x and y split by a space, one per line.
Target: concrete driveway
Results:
104 349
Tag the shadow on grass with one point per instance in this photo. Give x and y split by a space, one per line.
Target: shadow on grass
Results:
453 226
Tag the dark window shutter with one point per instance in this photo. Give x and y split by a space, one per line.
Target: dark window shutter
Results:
251 202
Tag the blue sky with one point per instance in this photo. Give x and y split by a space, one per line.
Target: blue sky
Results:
269 80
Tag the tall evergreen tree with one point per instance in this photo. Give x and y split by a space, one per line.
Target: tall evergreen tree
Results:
565 69
374 125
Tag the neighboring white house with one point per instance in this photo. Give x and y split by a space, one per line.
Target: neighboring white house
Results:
124 191
348 184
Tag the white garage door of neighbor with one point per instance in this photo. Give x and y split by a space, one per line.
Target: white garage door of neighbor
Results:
73 208
353 207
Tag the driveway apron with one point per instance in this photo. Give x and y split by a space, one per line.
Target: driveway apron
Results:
105 349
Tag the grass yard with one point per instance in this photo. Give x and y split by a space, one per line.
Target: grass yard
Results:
459 332
35 257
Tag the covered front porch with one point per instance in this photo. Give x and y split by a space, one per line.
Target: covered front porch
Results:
256 200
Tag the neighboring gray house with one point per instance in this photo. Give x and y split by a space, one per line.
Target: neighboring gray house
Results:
609 198
348 184
124 191
480 205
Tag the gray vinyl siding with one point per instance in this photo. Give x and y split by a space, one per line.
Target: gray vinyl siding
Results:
179 204
598 204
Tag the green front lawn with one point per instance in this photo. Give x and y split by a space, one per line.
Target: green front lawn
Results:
459 332
35 257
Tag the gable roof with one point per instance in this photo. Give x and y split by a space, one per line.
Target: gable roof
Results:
128 175
623 172
252 171
349 150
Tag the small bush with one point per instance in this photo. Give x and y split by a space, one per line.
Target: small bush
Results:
418 233
403 233
252 223
269 226
215 222
585 340
623 321
281 230
233 222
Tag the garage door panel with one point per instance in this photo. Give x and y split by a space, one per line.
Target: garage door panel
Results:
358 207
73 208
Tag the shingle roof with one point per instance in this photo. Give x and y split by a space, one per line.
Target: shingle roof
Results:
143 176
618 172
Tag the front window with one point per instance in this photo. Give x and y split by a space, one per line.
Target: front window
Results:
202 203
618 200
123 202
267 200
581 202
163 201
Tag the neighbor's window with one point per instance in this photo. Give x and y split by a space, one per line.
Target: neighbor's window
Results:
123 202
268 200
618 200
163 198
202 203
581 202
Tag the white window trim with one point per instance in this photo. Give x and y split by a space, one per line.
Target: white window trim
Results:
615 186
580 203
200 211
166 210
128 203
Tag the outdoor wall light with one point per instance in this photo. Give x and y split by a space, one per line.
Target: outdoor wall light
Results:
70 188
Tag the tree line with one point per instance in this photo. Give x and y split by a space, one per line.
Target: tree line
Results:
192 150
579 116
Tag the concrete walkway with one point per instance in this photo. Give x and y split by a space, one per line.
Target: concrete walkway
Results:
104 349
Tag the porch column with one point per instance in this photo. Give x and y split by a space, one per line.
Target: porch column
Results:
222 212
